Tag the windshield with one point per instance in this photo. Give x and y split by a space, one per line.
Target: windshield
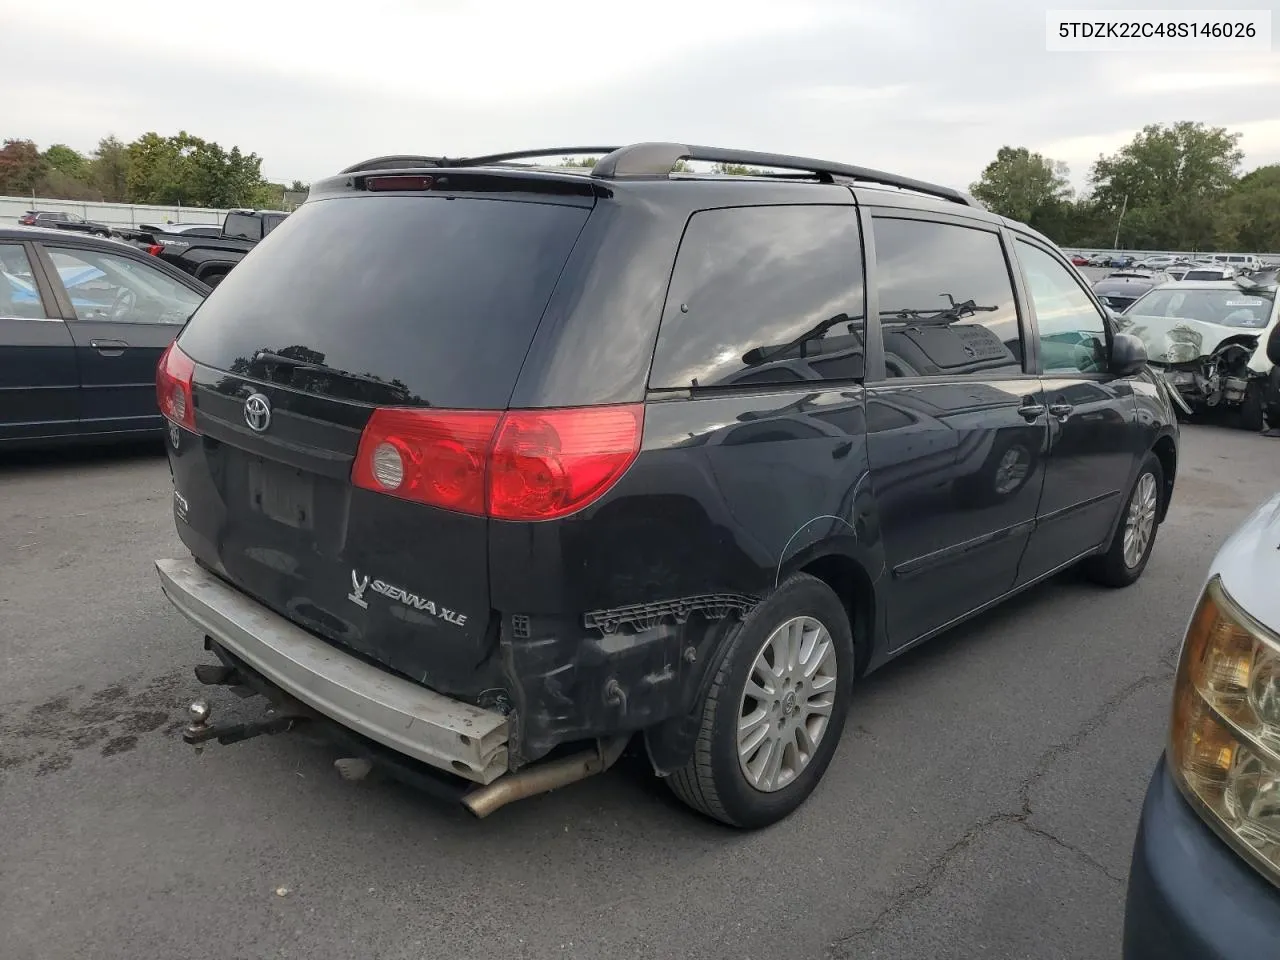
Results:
1230 308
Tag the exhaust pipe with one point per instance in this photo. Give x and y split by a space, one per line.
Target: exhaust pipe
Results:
545 777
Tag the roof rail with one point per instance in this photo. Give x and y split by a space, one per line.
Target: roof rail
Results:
653 160
394 162
533 155
657 160
398 161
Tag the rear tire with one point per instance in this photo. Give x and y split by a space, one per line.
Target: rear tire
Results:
754 775
1124 560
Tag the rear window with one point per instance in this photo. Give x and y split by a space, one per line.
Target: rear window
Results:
242 226
1203 275
436 298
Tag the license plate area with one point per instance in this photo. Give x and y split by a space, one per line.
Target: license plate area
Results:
284 494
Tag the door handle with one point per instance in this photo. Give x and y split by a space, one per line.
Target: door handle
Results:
1030 411
109 348
1061 410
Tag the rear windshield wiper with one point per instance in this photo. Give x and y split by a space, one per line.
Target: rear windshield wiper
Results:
282 360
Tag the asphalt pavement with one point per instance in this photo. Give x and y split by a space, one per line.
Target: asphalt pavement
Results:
982 803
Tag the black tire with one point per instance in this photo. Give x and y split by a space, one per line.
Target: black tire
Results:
1110 568
1251 412
213 279
713 782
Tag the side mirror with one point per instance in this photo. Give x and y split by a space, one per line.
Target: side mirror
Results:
1128 355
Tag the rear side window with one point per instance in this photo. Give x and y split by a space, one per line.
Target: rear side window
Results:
946 300
420 300
764 295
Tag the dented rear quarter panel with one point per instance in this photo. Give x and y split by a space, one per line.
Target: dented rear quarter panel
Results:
728 495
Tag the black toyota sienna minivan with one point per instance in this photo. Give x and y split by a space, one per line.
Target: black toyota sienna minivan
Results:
490 467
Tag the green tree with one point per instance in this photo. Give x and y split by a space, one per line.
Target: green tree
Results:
21 165
1171 182
735 170
188 170
1023 185
63 159
1249 216
109 170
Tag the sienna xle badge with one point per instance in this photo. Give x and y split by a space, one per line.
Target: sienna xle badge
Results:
489 470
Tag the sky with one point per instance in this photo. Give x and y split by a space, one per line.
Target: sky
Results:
926 88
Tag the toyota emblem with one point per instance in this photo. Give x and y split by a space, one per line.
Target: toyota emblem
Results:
257 412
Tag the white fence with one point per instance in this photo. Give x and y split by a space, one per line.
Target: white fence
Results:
1189 254
112 214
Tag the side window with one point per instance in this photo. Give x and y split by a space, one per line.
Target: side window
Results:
764 295
1073 335
103 286
946 301
19 295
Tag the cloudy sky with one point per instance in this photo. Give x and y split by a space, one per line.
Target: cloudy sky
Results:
930 88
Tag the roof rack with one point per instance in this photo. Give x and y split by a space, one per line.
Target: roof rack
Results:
654 160
409 160
658 159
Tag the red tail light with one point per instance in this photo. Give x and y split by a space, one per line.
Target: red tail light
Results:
519 465
435 457
155 249
173 387
549 463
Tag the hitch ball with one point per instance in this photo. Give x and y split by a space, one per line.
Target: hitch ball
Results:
199 711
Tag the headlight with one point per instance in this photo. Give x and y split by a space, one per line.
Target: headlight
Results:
1224 746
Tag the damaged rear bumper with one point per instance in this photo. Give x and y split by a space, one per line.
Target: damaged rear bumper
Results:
465 740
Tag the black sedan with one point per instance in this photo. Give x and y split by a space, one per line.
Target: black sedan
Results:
59 220
1120 289
83 322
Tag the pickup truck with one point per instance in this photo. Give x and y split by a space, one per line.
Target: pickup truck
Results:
207 258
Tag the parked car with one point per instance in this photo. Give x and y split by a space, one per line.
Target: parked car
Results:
83 323
1158 262
1241 263
1120 289
210 258
1201 272
1205 872
1079 260
476 466
1201 335
58 220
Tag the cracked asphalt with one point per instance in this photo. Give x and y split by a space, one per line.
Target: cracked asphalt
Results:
982 803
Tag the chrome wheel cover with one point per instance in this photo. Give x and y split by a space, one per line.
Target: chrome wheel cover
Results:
786 706
1140 521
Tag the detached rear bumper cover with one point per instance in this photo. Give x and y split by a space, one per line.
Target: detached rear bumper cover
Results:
465 740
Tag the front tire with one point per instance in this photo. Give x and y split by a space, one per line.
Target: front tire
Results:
775 710
1251 407
1130 548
